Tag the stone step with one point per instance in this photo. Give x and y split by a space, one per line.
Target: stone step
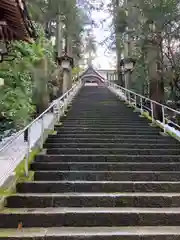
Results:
99 186
112 145
106 158
160 140
94 233
104 123
88 108
97 125
89 217
115 132
49 200
100 115
106 166
106 151
129 120
109 135
107 119
105 129
107 175
112 132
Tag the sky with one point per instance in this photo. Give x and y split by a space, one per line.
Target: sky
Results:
104 59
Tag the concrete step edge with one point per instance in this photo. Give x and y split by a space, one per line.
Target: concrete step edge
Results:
108 163
97 210
101 194
91 231
98 182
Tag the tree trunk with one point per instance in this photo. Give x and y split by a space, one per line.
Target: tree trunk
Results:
40 93
119 72
118 47
156 82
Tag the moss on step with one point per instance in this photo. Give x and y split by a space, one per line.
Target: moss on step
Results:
59 124
13 210
51 132
146 114
20 169
173 135
5 192
54 133
19 176
5 233
28 178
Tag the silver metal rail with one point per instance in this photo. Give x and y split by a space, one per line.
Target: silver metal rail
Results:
56 108
145 104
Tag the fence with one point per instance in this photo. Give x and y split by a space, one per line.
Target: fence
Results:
142 103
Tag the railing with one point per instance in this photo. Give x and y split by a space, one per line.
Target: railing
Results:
56 109
145 104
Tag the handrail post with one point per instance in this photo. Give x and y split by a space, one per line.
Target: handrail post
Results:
164 120
129 95
152 112
59 110
42 133
141 102
26 161
125 93
135 98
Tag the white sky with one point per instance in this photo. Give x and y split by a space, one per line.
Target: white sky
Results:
104 59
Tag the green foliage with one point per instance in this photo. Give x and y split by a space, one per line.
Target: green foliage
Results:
76 71
151 26
75 16
16 95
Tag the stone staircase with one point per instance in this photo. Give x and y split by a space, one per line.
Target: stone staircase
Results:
107 174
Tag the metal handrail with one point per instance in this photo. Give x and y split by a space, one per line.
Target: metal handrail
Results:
127 95
60 108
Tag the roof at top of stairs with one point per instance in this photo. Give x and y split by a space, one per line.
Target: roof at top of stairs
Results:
90 71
